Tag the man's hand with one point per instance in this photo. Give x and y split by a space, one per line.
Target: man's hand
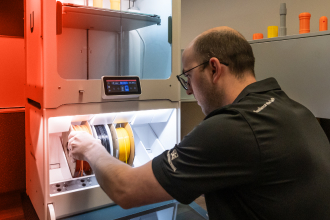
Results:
83 146
128 187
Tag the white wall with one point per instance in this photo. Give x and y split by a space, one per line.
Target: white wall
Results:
247 16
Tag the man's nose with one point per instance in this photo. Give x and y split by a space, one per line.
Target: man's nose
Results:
189 91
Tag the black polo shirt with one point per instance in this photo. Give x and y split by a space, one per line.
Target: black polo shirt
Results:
264 156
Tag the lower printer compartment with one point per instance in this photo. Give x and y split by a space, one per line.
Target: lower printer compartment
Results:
146 134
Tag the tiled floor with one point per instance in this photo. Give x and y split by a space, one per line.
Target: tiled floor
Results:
11 206
16 206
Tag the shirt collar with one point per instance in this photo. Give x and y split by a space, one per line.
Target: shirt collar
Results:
260 86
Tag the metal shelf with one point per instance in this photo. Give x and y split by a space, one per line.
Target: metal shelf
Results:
289 37
91 18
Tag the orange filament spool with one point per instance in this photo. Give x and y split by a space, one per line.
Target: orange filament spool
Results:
82 166
124 144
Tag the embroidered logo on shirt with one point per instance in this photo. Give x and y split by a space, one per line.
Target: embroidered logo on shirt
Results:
174 154
171 156
265 105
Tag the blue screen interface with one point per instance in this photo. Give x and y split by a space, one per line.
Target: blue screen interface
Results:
121 86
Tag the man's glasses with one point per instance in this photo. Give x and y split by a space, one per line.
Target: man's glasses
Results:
183 78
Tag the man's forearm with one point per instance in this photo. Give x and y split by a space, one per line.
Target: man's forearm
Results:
111 174
128 187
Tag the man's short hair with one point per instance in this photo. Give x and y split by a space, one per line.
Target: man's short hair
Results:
229 47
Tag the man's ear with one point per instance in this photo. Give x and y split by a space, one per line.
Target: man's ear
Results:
216 69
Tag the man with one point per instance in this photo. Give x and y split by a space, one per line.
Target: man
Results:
257 154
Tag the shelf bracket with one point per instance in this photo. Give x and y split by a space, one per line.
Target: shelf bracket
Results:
170 29
58 18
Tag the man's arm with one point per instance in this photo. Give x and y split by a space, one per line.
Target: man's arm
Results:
128 187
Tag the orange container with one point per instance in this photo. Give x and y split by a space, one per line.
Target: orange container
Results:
115 4
257 36
323 23
98 3
304 22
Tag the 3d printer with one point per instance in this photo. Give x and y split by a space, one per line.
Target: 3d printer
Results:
109 72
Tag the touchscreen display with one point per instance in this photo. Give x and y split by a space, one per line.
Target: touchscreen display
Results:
121 85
